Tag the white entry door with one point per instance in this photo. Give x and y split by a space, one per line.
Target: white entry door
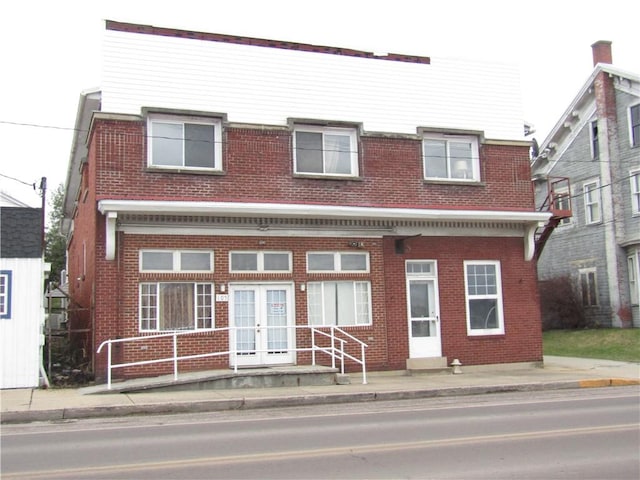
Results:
261 315
423 309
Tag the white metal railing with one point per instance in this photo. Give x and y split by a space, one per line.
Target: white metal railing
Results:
339 339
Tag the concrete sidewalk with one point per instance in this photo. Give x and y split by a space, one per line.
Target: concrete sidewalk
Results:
27 405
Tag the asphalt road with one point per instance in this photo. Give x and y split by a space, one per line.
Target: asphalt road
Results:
581 434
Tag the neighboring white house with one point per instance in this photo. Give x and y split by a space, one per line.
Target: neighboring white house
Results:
22 271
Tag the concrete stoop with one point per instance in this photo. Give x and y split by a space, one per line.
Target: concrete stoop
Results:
267 377
417 366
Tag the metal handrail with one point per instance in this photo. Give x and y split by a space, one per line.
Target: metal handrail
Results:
335 352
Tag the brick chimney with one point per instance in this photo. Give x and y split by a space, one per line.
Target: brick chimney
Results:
602 52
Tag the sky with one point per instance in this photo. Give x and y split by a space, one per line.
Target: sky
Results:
50 53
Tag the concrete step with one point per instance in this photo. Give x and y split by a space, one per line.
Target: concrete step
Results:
267 377
417 366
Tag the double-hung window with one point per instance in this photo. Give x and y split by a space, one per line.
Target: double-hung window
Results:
483 289
634 178
451 157
338 301
184 143
176 306
327 151
595 144
5 294
592 202
169 304
634 125
588 287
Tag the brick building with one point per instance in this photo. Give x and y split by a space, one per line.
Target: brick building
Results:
242 191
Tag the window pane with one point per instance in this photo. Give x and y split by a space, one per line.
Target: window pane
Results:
420 328
362 303
419 267
309 152
205 306
419 298
481 279
461 164
314 303
435 159
167 144
197 261
483 314
199 145
148 306
330 303
157 260
321 261
244 262
337 154
353 261
276 262
176 306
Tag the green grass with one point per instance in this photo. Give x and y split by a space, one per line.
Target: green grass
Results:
606 343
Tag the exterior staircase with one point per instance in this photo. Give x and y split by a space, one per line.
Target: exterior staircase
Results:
558 202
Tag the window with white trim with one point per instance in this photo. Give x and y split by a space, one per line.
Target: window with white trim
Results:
319 262
170 306
591 193
593 137
483 291
184 143
588 287
633 265
5 294
451 157
634 178
634 125
327 151
562 201
263 261
176 261
340 303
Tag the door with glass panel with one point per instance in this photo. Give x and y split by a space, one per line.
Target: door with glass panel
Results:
262 319
423 309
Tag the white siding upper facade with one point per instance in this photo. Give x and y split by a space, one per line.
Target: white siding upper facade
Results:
21 331
268 86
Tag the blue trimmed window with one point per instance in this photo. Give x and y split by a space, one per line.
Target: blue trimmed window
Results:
5 294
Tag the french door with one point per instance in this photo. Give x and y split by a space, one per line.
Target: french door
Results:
262 317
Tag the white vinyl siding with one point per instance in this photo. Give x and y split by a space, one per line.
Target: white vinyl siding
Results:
267 86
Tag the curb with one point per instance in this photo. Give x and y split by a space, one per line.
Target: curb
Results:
297 400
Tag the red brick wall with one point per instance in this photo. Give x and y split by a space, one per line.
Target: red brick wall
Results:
522 340
390 173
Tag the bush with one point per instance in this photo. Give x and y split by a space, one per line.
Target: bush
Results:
561 304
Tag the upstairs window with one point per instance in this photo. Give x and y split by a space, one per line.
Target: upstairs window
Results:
593 134
325 151
634 177
592 202
634 125
451 157
191 143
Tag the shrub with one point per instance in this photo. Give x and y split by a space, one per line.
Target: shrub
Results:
561 304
